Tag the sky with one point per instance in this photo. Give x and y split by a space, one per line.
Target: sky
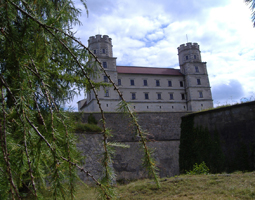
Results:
148 32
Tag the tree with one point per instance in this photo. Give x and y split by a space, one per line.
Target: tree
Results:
251 3
41 61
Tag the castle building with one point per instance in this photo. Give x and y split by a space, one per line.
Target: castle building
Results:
151 89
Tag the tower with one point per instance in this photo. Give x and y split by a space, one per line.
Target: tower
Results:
101 46
197 86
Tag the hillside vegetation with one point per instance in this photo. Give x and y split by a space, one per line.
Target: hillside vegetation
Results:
237 185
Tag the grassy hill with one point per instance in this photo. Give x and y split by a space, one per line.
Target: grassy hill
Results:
237 185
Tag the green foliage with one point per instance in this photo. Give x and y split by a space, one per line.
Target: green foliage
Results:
92 119
198 145
81 128
42 65
199 169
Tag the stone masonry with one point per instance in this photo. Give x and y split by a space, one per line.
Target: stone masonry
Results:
163 130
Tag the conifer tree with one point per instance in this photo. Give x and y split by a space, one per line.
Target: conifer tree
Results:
41 62
251 4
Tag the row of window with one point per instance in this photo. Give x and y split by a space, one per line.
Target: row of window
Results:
160 107
103 51
187 57
159 97
145 82
157 83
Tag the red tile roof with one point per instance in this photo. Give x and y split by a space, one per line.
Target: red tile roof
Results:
148 70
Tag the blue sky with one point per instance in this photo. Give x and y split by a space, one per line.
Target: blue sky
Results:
148 32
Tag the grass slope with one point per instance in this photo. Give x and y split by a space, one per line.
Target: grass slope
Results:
213 186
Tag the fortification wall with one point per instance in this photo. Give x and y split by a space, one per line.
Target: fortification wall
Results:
164 137
235 127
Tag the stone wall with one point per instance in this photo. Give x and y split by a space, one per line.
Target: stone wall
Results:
235 126
164 137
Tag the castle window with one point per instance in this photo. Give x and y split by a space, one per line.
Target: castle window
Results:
196 69
145 83
169 83
103 50
105 79
160 107
187 57
132 82
133 96
157 83
104 64
106 94
171 96
200 94
106 105
159 95
146 95
183 96
195 57
181 83
198 81
201 105
119 81
95 51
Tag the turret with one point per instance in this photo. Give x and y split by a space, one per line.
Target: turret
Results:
189 53
100 45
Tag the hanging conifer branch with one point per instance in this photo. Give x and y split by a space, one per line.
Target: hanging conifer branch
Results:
5 150
40 64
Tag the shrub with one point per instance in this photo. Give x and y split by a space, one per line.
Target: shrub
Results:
92 119
80 127
199 169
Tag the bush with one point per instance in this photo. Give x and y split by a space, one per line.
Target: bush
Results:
80 127
92 119
199 169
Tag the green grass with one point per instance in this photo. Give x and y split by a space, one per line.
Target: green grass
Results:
83 128
213 186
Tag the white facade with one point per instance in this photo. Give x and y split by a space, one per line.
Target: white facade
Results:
151 89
